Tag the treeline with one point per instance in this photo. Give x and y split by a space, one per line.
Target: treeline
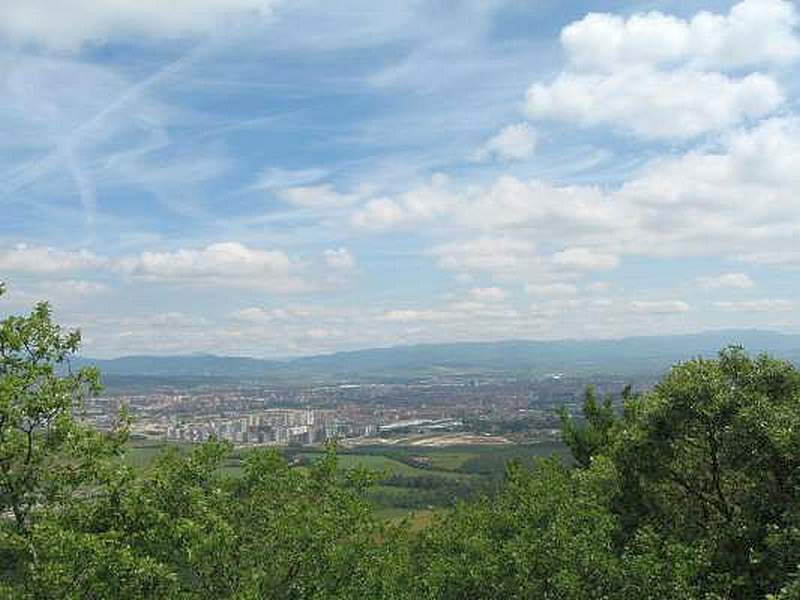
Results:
419 492
692 491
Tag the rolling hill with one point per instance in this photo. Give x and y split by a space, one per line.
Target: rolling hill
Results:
634 355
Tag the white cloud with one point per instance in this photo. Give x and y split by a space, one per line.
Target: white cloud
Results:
410 315
726 280
551 289
723 200
221 259
456 313
78 287
487 254
787 258
419 205
317 196
670 105
514 142
510 203
341 259
379 213
41 259
489 294
733 196
68 24
661 77
225 263
659 307
319 333
585 259
60 293
756 306
729 200
754 32
598 286
276 178
258 315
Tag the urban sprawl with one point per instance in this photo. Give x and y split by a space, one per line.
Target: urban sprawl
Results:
256 414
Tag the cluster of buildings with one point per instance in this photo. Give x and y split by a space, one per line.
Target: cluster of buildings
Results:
278 426
256 414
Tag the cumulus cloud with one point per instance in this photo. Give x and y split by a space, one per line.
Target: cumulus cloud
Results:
59 292
488 254
419 205
225 263
79 287
664 78
410 315
780 258
551 289
319 333
733 199
598 286
462 312
380 213
753 33
726 280
488 294
341 259
722 201
259 315
510 203
659 307
670 105
317 196
41 259
514 142
585 259
69 24
763 305
220 264
221 259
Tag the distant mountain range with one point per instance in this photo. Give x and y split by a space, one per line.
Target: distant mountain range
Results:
626 356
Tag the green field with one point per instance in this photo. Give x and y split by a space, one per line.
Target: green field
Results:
140 454
373 463
385 463
412 480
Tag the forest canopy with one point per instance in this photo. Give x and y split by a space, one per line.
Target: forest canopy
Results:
690 490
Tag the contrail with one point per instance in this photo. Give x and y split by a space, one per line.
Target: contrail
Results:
129 94
86 188
32 171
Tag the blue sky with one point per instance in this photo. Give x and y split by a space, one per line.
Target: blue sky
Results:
277 177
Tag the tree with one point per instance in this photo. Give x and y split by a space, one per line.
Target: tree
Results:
549 534
692 492
591 436
47 456
711 457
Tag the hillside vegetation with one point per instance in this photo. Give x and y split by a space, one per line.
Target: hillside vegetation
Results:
693 491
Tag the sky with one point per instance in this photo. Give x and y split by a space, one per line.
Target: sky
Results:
288 177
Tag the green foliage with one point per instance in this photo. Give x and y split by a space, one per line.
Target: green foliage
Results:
713 454
693 491
591 436
47 457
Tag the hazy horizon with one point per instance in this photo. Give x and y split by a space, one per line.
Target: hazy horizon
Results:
466 342
272 178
